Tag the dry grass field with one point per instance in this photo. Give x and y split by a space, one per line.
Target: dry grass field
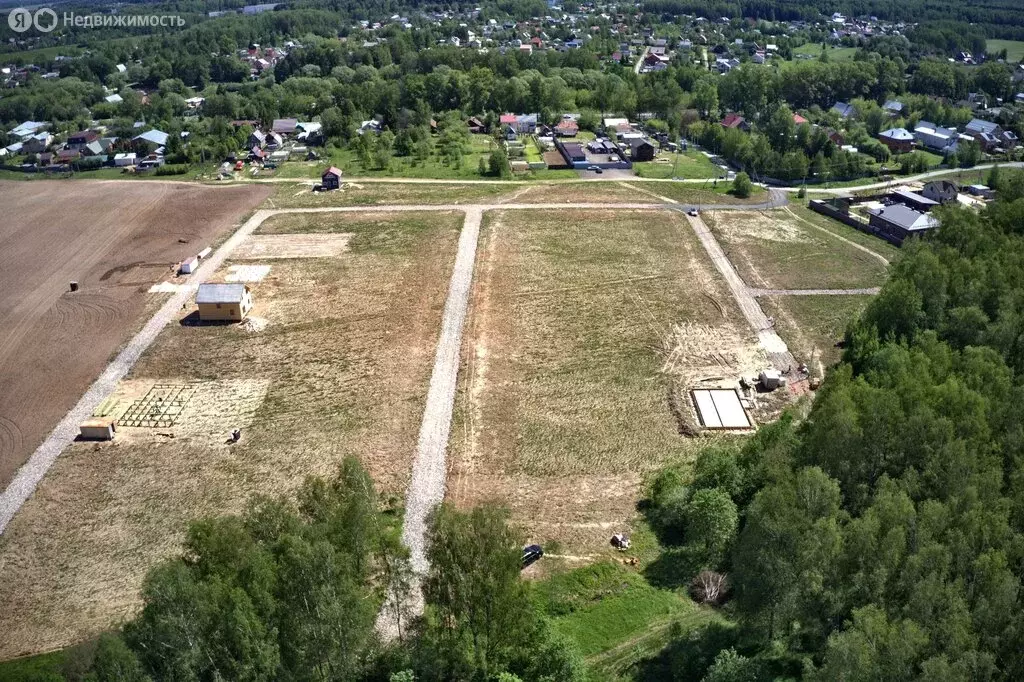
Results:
335 360
355 193
812 325
584 330
775 250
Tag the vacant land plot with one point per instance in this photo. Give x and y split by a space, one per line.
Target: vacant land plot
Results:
584 329
836 54
870 242
371 193
1014 48
115 239
688 164
630 191
812 325
335 360
775 250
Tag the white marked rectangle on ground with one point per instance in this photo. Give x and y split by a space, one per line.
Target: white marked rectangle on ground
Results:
706 409
246 273
264 246
720 409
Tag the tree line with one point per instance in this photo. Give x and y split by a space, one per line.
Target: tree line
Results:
291 590
881 537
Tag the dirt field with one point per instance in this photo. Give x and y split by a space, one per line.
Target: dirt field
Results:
585 329
335 360
775 250
114 238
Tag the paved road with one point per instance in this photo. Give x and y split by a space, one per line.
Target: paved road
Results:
774 346
901 180
870 291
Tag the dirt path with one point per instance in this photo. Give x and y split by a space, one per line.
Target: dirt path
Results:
840 238
870 291
772 343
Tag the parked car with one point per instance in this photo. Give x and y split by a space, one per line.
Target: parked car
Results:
531 553
239 165
596 169
694 212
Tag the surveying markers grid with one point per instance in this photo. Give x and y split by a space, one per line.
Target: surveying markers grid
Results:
160 407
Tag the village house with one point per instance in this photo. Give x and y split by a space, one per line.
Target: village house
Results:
81 139
898 140
844 110
641 150
37 143
285 126
567 127
941 191
735 121
897 222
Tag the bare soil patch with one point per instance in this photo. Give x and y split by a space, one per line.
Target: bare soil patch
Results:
341 367
585 328
116 239
265 246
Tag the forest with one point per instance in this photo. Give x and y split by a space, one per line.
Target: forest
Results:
882 537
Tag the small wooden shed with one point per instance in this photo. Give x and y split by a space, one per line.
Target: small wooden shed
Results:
331 179
223 302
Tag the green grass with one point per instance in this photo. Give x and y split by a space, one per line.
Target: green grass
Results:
811 325
533 152
41 668
879 246
1014 48
615 617
689 164
400 167
703 193
835 54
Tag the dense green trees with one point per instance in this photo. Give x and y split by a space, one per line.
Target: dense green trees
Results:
881 538
291 590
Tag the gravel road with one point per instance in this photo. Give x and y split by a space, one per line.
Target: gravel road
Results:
774 346
426 489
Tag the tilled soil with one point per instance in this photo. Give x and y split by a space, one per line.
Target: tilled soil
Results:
116 239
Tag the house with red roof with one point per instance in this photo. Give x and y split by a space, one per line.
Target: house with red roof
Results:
331 179
734 121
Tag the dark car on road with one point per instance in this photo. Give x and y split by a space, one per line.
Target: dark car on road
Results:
531 553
